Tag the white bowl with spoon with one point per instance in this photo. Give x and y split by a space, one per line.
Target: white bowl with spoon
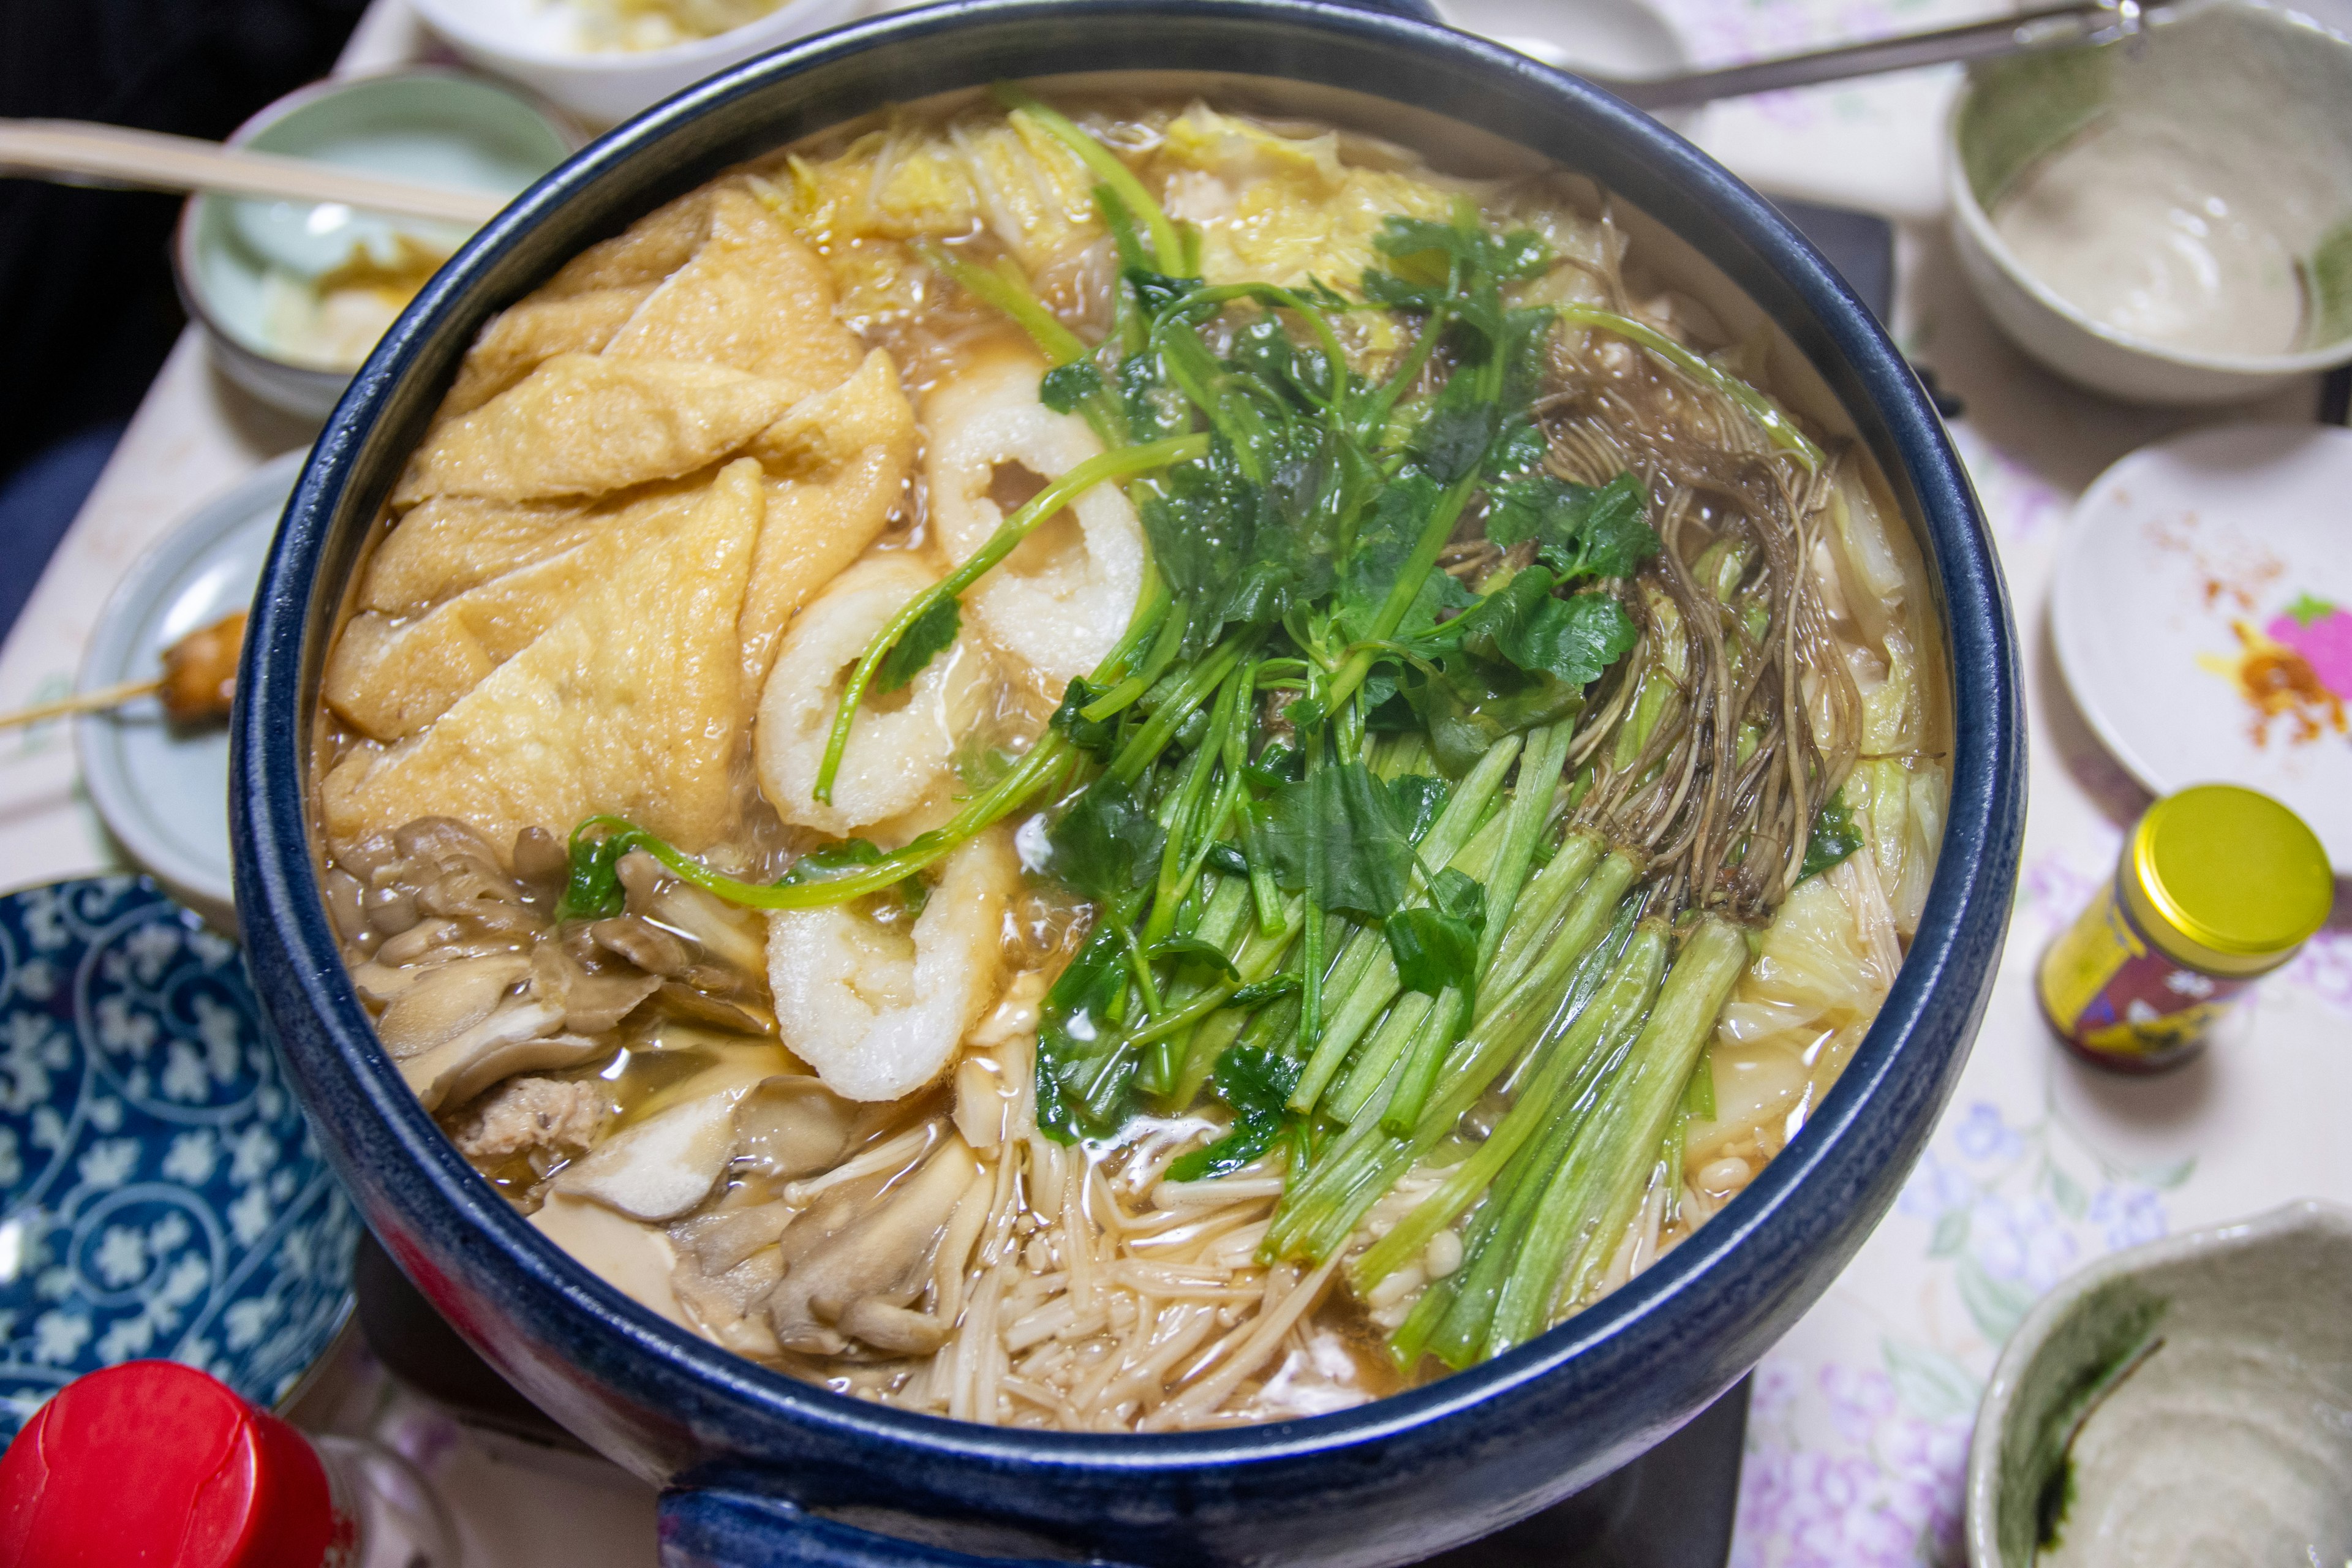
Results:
2166 218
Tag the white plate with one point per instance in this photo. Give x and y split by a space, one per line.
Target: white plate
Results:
2175 556
163 788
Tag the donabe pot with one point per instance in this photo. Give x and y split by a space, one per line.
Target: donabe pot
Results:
764 1468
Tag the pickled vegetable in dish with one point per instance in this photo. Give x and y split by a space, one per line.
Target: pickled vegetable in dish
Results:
1126 770
331 320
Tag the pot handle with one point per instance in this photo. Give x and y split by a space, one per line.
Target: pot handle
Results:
707 1528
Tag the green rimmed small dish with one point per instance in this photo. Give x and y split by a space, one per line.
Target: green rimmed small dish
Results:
2185 1402
245 266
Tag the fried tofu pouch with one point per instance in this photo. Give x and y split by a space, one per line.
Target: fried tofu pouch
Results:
609 499
630 701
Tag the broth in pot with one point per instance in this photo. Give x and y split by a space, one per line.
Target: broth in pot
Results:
1125 769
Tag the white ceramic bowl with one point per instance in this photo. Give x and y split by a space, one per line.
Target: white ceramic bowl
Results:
2215 1369
2257 85
530 41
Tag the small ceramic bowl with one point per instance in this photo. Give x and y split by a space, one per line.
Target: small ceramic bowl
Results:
241 264
2240 103
161 1192
2188 1400
540 44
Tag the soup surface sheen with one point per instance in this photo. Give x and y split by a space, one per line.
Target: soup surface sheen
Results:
1125 769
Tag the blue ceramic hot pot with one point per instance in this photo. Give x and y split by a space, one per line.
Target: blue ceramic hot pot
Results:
766 1470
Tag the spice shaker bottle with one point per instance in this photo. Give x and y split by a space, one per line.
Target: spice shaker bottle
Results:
2216 886
159 1464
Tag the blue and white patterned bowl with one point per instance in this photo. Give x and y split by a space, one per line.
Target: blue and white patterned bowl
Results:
164 1194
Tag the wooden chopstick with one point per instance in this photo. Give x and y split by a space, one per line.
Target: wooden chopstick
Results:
152 159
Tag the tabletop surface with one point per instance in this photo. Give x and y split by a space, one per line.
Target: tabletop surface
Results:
1858 1433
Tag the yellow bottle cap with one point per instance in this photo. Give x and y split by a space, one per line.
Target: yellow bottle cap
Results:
2226 879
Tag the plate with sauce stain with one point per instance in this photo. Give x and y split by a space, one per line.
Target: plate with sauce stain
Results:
2202 610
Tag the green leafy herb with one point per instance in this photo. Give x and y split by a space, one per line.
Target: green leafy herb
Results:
1464 241
1095 736
1402 293
1352 829
1524 344
1834 836
1192 952
1255 1081
1421 797
1228 549
1155 407
1456 268
1471 703
1386 709
1107 844
1279 763
1252 418
1227 859
929 633
1436 946
1067 385
1452 440
1518 658
1077 1039
1156 291
1384 546
1580 531
1524 625
1520 450
1265 348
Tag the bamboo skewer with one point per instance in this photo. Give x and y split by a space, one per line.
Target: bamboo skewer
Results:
199 676
96 702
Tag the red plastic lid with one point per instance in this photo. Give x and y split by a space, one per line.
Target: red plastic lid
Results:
157 1465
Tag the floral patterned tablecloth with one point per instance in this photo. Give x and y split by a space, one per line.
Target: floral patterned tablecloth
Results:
1859 1427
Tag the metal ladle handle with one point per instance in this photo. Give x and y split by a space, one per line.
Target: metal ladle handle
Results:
2043 28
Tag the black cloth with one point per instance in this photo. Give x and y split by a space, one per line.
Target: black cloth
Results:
87 309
